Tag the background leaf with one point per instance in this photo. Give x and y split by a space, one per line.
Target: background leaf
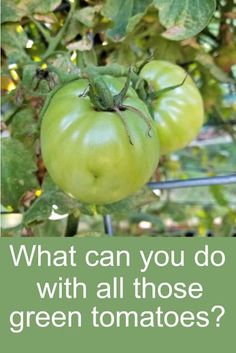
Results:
14 10
125 15
14 41
52 198
18 168
185 18
24 127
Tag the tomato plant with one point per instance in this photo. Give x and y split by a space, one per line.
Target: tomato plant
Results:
47 44
96 156
178 112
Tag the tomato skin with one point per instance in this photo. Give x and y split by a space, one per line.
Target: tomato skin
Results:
178 113
88 152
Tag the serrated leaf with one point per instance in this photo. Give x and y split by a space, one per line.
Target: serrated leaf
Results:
14 10
125 15
184 19
18 168
52 197
14 41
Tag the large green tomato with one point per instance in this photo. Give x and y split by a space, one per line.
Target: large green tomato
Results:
179 112
88 152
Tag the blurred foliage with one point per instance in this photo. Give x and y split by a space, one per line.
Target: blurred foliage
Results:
62 36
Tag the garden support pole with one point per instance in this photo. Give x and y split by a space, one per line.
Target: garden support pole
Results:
177 184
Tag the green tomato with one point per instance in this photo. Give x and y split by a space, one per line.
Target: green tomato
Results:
88 153
179 112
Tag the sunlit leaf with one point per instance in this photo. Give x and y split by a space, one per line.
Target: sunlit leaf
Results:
14 10
185 18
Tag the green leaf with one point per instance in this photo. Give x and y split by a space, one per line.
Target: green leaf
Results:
64 64
206 60
8 108
218 193
29 73
14 42
166 50
18 168
87 15
87 57
24 127
49 228
141 198
227 227
184 19
14 10
125 15
52 198
74 28
33 84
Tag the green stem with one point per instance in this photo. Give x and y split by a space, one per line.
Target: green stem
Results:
154 95
118 98
142 115
72 225
113 70
41 29
47 101
124 124
54 41
99 92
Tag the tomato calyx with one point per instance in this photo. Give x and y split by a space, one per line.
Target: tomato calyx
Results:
156 94
103 100
100 94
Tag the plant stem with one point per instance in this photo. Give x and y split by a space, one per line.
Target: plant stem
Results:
54 41
72 225
42 30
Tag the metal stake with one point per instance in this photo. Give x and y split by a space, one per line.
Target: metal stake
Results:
107 221
177 184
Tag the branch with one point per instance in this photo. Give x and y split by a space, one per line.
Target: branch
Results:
41 29
54 41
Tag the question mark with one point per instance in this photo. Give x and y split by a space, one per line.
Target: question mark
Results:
222 312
